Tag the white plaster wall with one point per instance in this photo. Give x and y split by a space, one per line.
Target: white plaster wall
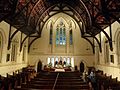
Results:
10 66
4 27
110 68
88 60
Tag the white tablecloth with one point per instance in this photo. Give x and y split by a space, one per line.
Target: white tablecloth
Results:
59 70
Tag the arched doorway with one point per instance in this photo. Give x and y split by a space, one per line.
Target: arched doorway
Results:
82 67
39 66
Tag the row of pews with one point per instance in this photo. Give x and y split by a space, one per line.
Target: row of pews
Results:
28 79
10 82
105 82
56 81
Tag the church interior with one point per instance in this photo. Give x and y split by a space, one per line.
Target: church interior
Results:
59 42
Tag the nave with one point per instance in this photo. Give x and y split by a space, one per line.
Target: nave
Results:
61 34
28 79
57 81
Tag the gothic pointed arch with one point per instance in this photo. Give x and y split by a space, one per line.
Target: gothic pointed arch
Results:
60 26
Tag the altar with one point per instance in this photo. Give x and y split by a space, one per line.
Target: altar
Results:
59 65
59 70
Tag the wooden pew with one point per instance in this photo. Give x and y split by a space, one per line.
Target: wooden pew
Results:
65 81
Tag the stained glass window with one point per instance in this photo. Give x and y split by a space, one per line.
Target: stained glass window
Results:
51 33
71 40
64 36
60 34
57 36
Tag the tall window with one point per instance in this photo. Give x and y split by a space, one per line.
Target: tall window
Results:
106 51
72 62
48 61
51 33
57 36
60 34
52 61
68 61
14 50
70 34
71 40
24 53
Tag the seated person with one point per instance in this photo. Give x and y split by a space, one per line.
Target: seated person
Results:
56 63
64 63
60 62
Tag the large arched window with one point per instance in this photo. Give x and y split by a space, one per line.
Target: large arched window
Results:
61 34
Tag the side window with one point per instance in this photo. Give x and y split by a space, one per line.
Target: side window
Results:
106 51
70 34
51 34
71 40
14 50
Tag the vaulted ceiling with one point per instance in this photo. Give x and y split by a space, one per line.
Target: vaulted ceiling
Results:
29 16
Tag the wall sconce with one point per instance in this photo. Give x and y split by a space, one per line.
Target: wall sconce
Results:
87 48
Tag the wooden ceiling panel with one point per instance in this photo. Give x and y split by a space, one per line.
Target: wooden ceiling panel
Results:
31 12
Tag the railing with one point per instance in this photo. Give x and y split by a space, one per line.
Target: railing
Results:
55 82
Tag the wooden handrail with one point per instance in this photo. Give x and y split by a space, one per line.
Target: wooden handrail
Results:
55 82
